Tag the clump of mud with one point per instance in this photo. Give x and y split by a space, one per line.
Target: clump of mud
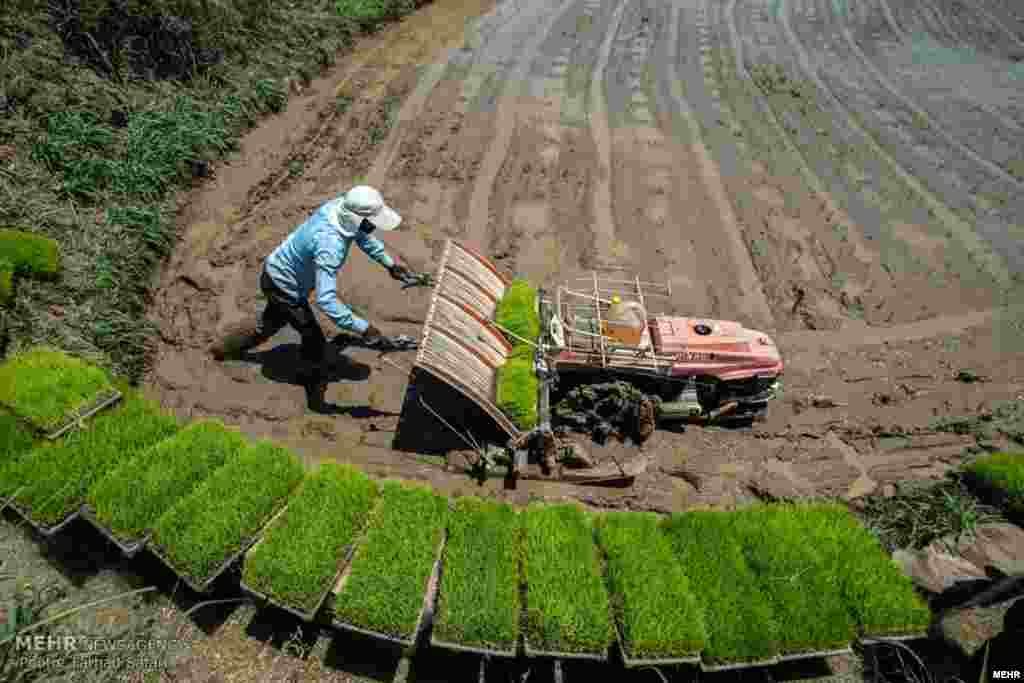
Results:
116 41
610 409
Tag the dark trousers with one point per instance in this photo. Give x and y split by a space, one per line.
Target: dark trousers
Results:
281 311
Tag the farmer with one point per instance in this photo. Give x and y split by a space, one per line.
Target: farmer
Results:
310 258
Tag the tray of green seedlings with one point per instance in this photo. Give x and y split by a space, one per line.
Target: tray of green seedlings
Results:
881 598
741 627
658 619
479 600
297 561
53 391
57 475
567 610
1000 477
126 503
798 578
17 441
387 591
205 532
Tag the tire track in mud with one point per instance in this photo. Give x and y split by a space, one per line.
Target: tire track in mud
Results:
994 21
923 115
479 214
963 232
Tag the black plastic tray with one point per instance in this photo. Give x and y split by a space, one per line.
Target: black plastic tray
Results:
104 400
426 611
46 531
129 549
556 654
310 615
812 654
458 647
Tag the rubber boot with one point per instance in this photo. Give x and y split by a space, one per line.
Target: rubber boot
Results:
236 340
311 377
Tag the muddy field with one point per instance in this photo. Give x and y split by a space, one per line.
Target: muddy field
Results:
862 202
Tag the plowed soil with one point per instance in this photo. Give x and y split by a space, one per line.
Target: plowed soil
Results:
843 174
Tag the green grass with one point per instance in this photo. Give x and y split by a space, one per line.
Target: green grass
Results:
131 498
6 284
658 615
796 576
567 601
517 392
299 556
44 385
29 254
1001 474
60 473
517 311
881 599
741 625
479 603
15 444
385 589
202 530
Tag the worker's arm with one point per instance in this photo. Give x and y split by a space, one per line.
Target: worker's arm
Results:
328 261
374 248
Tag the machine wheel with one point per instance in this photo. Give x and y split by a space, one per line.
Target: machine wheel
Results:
709 392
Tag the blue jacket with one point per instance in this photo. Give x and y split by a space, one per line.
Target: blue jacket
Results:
314 253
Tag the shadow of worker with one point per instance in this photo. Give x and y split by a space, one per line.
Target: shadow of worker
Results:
284 364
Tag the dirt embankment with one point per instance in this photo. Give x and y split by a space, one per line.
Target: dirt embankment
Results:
695 143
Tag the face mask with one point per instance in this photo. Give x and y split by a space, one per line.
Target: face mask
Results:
367 227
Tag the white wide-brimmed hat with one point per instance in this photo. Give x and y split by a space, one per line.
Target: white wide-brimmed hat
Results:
367 202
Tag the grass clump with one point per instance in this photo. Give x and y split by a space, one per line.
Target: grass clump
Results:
201 531
131 498
1000 475
59 474
29 254
479 601
741 625
517 387
658 615
517 312
797 577
881 599
567 602
295 562
385 589
45 386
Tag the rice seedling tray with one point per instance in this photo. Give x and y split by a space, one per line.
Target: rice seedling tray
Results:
733 666
44 530
472 649
129 548
205 586
813 654
633 662
555 654
426 612
307 616
102 402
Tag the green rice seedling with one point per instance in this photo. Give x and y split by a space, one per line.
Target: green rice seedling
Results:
658 615
479 602
384 590
517 392
566 598
1001 475
6 284
58 474
741 625
15 444
517 311
797 577
204 529
45 386
881 599
131 498
299 556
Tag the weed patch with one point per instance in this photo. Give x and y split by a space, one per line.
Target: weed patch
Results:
59 474
1005 419
132 497
517 387
658 615
30 254
298 557
479 600
1001 476
45 386
385 589
567 602
796 577
220 517
741 625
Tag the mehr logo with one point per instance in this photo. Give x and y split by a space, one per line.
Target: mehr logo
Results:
46 643
1007 675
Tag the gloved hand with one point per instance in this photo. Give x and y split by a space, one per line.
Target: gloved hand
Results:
400 272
